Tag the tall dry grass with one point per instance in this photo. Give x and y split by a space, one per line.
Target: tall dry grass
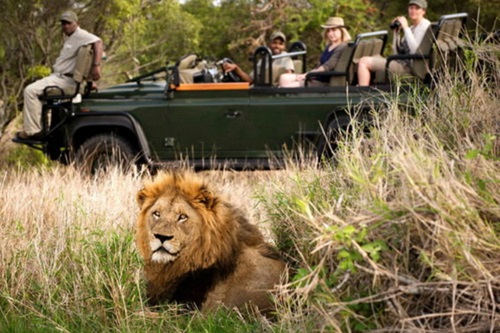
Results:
403 233
68 261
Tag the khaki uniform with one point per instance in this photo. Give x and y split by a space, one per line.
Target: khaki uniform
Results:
61 77
286 63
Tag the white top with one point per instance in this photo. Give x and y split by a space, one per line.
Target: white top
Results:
413 35
66 61
285 62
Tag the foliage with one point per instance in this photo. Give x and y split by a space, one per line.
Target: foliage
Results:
24 157
37 72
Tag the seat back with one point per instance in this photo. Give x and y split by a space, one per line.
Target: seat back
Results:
298 66
187 68
440 45
187 61
299 52
342 67
366 44
420 67
84 59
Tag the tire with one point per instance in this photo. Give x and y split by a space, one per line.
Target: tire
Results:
327 143
102 152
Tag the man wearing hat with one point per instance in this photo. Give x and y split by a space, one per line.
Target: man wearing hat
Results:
277 45
413 36
336 37
62 73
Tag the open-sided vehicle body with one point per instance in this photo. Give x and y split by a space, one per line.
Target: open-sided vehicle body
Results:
189 112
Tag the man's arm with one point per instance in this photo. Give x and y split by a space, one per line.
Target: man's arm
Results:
96 64
228 67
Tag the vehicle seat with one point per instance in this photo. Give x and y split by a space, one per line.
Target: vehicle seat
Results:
343 66
299 60
438 49
441 44
365 44
188 67
371 47
298 66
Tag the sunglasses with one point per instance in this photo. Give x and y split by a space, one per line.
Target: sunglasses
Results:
65 22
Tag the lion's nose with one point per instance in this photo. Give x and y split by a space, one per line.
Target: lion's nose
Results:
163 238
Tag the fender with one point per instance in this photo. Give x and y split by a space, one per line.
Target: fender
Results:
82 120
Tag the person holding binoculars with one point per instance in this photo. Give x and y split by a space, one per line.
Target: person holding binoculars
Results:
408 44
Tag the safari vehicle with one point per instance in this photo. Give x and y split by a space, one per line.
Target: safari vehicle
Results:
193 113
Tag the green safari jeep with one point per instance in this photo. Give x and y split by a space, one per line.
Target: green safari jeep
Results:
192 113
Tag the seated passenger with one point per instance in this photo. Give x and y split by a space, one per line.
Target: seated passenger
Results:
336 37
277 45
413 36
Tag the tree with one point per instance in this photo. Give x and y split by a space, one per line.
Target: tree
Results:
235 28
27 47
137 34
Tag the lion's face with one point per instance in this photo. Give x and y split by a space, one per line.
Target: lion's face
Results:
182 222
171 223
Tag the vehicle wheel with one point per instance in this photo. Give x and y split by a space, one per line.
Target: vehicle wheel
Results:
327 143
102 152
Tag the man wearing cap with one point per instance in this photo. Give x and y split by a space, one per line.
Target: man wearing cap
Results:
62 73
413 36
277 45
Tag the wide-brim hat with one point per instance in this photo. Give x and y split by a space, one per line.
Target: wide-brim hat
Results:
334 22
69 16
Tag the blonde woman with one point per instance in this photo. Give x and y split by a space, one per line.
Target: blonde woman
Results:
413 36
336 37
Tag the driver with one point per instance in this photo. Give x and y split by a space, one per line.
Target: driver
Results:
277 45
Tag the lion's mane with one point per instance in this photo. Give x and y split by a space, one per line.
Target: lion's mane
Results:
216 256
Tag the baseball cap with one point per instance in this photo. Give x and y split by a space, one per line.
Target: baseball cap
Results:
278 34
421 3
69 16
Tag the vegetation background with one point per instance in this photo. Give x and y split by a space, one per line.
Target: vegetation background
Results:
399 234
142 35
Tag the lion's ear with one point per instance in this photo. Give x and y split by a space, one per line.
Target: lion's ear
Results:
206 198
141 197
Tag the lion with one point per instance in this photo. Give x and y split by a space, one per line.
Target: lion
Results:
200 250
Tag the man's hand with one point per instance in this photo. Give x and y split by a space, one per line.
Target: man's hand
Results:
96 73
403 21
228 67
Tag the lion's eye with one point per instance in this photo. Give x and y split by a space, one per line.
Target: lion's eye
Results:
156 214
182 218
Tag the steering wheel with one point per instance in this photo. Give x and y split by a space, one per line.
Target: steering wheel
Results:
230 76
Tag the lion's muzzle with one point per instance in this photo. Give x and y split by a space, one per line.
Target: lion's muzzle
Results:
164 248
